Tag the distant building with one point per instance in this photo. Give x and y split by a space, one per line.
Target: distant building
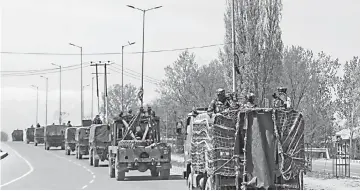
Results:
344 136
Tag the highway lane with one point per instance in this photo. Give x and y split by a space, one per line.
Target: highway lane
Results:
327 166
55 170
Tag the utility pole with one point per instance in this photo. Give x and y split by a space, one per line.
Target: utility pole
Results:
46 103
60 93
92 98
37 103
142 61
106 63
97 86
122 73
81 82
234 46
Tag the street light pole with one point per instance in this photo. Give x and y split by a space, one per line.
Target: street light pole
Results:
81 81
92 97
122 74
37 103
60 93
143 46
46 104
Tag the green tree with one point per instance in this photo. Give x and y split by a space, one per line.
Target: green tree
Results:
114 99
258 46
348 102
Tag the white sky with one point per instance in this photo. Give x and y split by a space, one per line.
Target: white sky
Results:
104 26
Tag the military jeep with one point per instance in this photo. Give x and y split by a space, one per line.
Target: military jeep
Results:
99 140
29 135
142 152
39 136
54 136
82 141
70 140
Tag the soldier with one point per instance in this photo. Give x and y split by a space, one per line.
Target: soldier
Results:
250 100
281 100
220 103
97 120
69 124
38 125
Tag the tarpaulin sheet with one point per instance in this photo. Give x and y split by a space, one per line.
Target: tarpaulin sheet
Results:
55 130
99 133
39 132
82 133
260 149
70 134
30 131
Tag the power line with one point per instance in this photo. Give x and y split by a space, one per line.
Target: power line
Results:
133 76
41 73
34 71
113 53
137 74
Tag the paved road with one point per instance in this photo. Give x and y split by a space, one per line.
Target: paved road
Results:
32 168
327 166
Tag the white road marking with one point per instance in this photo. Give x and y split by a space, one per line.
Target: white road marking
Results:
84 187
94 176
91 181
24 175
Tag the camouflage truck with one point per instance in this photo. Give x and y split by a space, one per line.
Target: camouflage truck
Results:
54 136
39 136
99 140
17 135
245 148
82 139
70 140
141 150
29 134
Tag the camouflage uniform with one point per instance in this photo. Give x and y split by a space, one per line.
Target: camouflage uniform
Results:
250 99
282 100
220 103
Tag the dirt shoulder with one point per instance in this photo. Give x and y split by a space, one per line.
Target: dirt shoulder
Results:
325 181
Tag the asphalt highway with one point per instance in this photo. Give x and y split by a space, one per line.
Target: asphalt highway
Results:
28 167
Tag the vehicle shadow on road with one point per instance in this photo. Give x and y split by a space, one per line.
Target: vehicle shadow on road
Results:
149 178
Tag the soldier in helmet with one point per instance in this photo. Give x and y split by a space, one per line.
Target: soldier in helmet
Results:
220 103
281 100
250 100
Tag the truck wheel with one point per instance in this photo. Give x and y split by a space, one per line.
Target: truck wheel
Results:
80 156
119 175
165 174
111 169
35 144
91 158
67 152
27 142
96 162
154 173
62 147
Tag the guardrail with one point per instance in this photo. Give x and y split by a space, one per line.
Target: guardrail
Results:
319 150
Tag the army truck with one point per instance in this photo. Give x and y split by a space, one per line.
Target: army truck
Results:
29 135
70 140
82 141
39 136
99 140
245 148
136 145
54 136
17 135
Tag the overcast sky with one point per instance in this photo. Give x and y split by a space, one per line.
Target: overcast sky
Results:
104 26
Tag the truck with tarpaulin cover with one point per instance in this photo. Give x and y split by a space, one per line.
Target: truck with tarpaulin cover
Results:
17 135
99 140
70 140
136 145
245 148
54 136
29 132
82 139
39 136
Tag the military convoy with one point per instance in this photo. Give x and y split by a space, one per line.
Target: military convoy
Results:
39 136
54 136
82 142
70 142
29 132
17 135
136 145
